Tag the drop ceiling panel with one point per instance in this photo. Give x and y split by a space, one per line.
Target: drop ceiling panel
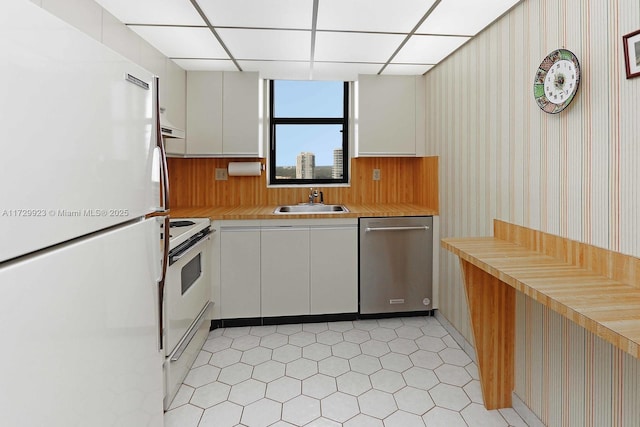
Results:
274 36
371 15
267 44
279 70
407 69
355 47
428 49
342 71
447 19
173 12
261 14
206 64
182 42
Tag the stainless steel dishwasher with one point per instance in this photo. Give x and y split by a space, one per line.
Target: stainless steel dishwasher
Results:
396 263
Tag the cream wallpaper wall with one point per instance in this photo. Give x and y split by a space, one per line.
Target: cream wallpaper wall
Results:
575 174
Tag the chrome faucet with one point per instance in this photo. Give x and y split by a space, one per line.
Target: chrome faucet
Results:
313 194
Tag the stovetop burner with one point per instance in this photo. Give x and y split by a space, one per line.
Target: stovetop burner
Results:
180 223
181 229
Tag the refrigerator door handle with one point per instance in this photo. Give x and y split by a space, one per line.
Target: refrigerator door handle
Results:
164 172
163 277
158 247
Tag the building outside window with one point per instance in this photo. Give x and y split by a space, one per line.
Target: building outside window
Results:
336 171
305 166
308 132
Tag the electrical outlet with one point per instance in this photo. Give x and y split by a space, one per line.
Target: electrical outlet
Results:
376 174
221 174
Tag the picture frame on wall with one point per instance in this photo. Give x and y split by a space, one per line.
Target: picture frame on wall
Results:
631 43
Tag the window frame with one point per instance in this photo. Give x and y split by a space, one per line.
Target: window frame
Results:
274 121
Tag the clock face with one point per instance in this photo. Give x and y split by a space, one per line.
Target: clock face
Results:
557 81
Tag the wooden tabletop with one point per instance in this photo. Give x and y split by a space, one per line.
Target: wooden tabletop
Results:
266 212
608 308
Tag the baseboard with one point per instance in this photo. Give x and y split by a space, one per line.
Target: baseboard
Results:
282 320
309 318
395 314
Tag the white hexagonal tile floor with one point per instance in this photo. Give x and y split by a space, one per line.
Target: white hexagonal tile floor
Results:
226 357
340 407
319 386
333 366
301 410
386 372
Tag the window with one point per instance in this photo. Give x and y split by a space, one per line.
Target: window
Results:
309 132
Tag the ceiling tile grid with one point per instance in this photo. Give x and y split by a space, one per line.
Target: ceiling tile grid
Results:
428 49
267 44
356 47
295 14
207 64
169 12
308 39
371 15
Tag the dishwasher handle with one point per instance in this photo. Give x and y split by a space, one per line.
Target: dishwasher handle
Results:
415 228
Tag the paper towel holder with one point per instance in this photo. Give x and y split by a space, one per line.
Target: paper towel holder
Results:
245 168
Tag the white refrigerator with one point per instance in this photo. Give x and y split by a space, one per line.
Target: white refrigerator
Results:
81 267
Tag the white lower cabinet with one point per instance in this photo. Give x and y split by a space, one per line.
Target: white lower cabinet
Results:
334 269
239 272
288 268
284 271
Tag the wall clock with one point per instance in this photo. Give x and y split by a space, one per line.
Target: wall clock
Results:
556 81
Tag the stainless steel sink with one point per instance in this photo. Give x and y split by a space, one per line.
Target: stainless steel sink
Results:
308 208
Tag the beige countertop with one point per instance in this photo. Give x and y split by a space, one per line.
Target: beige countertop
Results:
266 212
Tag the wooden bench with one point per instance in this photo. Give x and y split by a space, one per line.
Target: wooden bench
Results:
596 288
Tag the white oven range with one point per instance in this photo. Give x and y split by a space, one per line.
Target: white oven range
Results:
187 298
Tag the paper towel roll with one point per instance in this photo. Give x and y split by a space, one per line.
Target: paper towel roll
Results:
245 168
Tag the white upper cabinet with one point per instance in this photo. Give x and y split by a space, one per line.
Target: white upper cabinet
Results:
391 116
173 99
241 102
223 114
172 94
204 113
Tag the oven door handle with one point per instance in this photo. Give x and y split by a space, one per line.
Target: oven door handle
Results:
204 238
186 339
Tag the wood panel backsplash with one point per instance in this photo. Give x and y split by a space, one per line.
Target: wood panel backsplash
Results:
403 180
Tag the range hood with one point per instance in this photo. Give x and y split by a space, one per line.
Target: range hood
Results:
168 130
